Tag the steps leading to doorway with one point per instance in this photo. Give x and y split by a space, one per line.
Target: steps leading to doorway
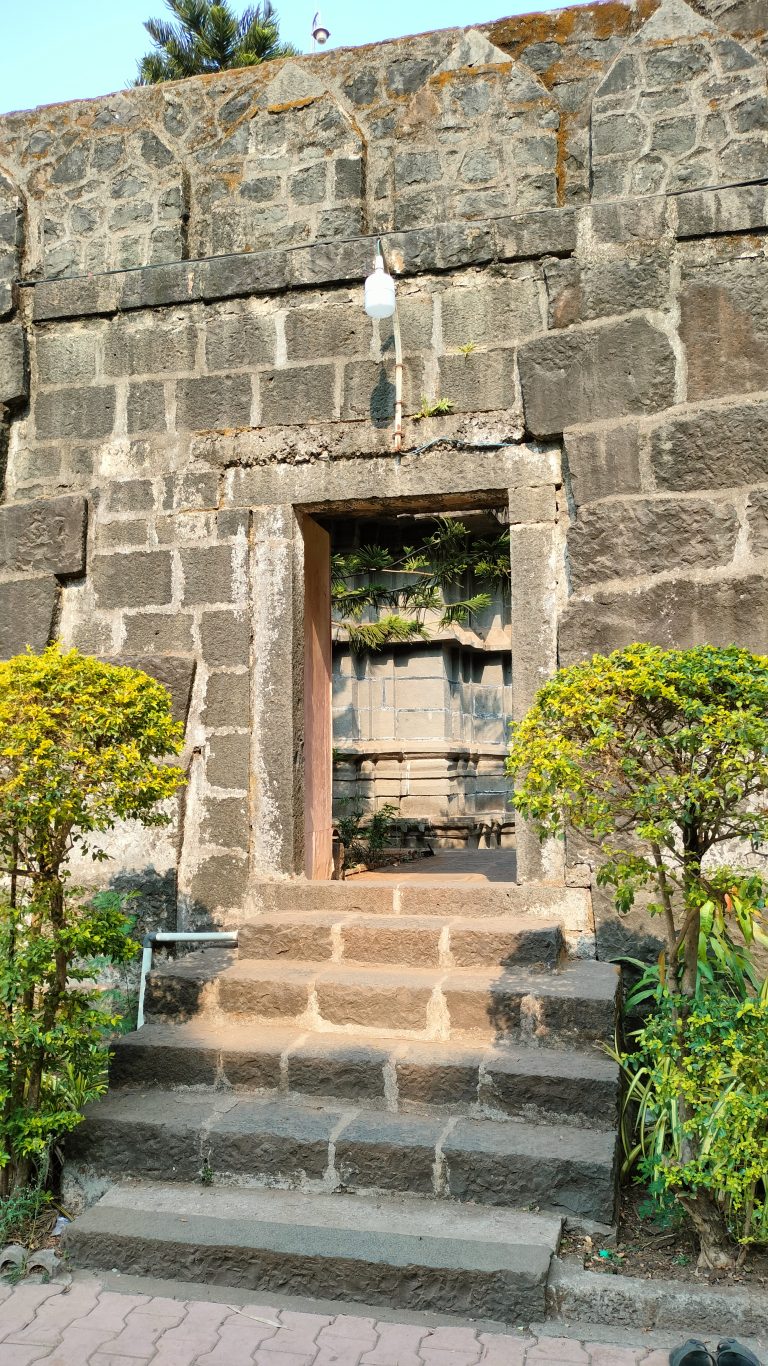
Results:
436 1053
487 1080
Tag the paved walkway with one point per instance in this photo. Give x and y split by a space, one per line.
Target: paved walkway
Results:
84 1324
450 865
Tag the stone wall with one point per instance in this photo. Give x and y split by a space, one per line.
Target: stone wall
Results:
576 206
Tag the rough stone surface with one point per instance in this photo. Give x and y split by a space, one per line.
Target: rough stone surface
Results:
724 328
675 613
27 608
44 536
595 372
626 538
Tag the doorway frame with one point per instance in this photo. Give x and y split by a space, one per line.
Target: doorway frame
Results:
289 499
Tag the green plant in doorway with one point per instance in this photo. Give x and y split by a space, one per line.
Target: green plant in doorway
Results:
381 596
82 745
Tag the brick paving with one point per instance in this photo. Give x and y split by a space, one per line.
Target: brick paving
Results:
84 1324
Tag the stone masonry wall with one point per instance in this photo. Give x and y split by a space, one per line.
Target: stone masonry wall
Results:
576 206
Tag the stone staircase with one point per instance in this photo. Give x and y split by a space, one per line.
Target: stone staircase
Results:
380 1097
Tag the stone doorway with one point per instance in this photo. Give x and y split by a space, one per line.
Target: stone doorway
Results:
415 727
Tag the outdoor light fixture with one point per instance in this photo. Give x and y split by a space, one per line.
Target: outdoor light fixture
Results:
320 34
381 302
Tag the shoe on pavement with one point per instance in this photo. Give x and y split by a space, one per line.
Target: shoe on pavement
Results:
694 1353
731 1353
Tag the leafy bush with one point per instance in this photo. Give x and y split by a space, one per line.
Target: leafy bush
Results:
364 843
80 747
660 755
695 1113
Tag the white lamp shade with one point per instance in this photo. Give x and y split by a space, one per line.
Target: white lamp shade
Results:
379 292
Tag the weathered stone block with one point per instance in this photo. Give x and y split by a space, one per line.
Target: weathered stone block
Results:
324 1067
213 401
636 220
208 574
708 212
491 314
480 382
303 394
579 292
225 822
241 338
253 273
595 372
724 327
149 350
625 537
79 413
757 518
335 330
27 609
388 1152
227 700
66 357
225 638
137 579
146 408
675 613
47 535
369 390
13 363
228 762
603 463
157 632
712 447
130 495
220 881
78 298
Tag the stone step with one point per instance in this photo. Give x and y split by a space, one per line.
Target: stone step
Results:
257 1140
487 1081
575 1004
570 906
485 1263
410 940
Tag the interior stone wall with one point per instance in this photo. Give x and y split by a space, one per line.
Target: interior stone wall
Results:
576 207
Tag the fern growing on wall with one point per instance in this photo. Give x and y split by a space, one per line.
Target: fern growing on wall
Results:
382 596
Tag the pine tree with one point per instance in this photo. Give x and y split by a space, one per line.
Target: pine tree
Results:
209 37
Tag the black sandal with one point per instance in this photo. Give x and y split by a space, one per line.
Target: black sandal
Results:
731 1353
694 1353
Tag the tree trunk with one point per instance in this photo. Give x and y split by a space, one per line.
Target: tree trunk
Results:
717 1251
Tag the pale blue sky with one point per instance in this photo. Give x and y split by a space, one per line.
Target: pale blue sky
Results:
53 50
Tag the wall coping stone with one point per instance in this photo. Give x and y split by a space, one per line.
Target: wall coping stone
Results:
444 246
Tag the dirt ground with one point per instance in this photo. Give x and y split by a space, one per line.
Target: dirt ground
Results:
658 1249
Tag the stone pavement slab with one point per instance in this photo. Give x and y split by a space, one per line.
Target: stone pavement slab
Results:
85 1323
